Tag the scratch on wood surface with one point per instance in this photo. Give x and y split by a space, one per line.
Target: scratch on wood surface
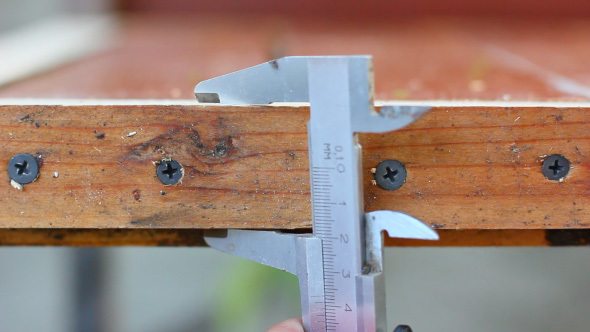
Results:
517 149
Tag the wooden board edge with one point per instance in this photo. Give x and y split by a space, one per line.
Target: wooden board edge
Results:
194 238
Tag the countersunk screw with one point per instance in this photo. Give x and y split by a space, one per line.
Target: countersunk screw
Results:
23 168
169 171
403 328
556 167
390 174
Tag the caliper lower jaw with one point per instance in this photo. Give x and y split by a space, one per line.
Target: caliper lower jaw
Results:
340 91
298 254
294 253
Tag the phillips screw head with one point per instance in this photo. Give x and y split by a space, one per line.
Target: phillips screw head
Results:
556 167
390 175
169 172
23 168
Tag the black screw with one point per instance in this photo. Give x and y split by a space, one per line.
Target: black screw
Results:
169 172
390 175
403 328
23 168
556 167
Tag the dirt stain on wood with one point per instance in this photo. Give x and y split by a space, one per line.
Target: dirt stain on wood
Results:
568 237
150 221
137 195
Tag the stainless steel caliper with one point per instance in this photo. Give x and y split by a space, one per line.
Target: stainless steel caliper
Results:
340 265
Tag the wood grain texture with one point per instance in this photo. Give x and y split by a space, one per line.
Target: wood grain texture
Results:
469 168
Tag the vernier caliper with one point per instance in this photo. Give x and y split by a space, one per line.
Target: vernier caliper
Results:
340 265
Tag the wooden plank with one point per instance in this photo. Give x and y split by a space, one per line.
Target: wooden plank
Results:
194 237
469 168
501 237
101 237
110 182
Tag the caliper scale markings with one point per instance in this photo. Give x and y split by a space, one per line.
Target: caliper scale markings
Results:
323 204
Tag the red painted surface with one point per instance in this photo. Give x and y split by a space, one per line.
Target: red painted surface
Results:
164 56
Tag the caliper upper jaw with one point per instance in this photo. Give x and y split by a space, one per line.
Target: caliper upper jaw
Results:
286 80
280 80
